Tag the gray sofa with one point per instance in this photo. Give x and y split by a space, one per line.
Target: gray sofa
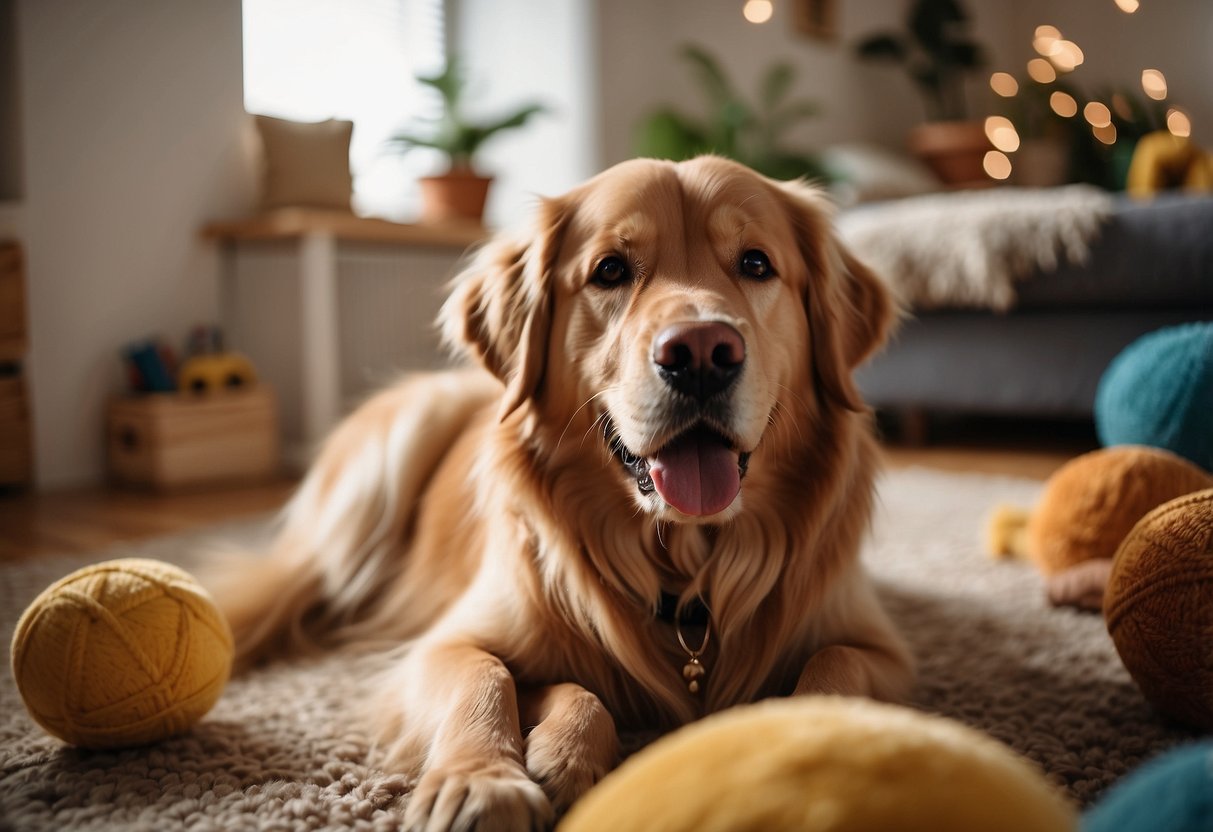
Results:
1150 266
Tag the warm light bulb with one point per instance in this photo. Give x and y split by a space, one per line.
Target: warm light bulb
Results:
1127 6
996 165
1045 44
1051 32
1004 84
1154 83
1066 56
1106 134
1179 124
1097 114
1041 71
1002 134
1063 104
758 11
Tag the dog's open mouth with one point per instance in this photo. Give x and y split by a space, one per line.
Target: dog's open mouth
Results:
699 472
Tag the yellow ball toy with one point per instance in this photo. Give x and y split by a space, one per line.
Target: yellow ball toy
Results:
823 764
121 653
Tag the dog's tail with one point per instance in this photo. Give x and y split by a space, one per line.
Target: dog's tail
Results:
342 537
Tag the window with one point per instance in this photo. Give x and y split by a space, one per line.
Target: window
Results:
309 60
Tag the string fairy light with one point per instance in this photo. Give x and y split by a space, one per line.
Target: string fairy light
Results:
758 11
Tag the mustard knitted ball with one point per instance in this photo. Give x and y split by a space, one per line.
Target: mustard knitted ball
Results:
121 653
823 764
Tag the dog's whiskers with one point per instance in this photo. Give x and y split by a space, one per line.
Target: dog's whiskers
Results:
584 404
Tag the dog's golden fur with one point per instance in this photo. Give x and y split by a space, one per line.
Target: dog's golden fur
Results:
485 519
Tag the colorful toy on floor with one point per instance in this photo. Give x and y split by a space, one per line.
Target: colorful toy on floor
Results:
151 367
1173 792
210 368
121 653
823 763
1090 504
1159 392
1159 608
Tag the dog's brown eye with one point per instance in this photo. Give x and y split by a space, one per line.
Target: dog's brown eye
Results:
611 271
756 264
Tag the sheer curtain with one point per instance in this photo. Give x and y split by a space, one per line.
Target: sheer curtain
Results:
309 60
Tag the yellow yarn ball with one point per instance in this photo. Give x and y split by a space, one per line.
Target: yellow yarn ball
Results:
823 764
121 653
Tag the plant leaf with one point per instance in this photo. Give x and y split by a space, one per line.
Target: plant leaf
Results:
781 120
515 119
776 84
882 48
933 21
966 54
667 134
711 76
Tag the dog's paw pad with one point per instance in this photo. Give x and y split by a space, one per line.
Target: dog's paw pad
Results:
492 796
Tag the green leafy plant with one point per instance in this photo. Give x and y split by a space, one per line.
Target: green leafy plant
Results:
453 133
748 133
936 52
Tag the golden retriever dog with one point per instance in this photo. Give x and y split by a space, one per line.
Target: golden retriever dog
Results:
644 506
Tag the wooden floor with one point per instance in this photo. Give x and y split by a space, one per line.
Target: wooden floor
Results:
87 520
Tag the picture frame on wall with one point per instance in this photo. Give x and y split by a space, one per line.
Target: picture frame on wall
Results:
815 19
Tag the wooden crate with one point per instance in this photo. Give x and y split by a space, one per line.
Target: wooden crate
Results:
12 304
173 440
16 459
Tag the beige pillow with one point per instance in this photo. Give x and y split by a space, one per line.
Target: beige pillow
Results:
866 173
306 164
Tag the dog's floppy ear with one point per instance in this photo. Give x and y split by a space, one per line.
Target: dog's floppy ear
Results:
849 309
499 310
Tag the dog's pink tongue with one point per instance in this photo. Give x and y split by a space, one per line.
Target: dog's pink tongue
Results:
696 474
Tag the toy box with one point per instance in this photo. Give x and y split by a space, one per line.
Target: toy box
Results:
174 440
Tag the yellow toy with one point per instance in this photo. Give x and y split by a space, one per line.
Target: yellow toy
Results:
121 653
1162 161
1159 607
215 372
814 764
1091 503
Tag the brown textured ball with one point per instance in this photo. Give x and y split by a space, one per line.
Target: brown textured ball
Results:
1159 607
1093 501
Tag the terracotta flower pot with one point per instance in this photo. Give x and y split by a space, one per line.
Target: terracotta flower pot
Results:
954 150
456 196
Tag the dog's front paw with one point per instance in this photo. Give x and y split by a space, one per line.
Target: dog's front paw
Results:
564 770
477 795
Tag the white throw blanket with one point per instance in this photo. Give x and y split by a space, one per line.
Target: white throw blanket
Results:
968 248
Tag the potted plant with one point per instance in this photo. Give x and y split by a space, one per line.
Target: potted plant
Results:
938 54
460 192
734 127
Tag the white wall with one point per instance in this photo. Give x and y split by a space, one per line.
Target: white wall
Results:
132 114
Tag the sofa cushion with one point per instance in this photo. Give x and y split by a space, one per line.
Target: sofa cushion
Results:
1155 254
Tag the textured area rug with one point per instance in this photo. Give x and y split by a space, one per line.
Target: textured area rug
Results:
278 752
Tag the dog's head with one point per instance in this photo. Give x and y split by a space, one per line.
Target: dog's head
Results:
674 309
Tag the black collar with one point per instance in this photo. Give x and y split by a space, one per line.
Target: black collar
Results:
694 613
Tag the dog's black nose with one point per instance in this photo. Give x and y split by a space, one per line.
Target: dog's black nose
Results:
699 358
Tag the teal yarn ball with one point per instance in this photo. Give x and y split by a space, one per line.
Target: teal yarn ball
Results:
1159 392
1173 792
